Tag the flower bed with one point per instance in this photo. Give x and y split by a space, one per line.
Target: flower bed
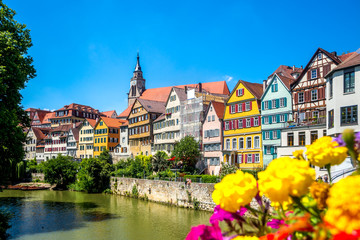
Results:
302 207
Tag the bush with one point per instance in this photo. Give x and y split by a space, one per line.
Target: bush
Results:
203 178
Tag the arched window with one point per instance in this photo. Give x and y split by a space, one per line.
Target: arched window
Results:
234 144
228 144
241 143
257 142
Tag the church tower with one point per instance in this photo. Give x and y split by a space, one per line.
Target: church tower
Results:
137 83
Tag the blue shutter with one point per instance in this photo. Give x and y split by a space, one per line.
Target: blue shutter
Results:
277 103
264 135
270 104
271 135
263 105
276 87
285 102
286 117
278 118
262 120
270 120
278 134
272 149
265 150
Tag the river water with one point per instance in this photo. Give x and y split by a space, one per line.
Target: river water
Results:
75 215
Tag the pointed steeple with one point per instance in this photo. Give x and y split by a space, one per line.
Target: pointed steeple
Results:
137 67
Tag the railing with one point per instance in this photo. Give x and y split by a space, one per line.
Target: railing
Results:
339 173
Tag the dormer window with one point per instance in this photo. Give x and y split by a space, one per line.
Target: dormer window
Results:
319 56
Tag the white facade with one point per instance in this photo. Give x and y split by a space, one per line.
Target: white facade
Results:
122 150
30 145
72 143
343 100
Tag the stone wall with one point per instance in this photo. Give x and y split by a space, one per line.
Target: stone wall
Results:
197 195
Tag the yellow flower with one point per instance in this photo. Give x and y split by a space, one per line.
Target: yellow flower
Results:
344 205
319 191
298 154
245 238
234 191
325 151
285 177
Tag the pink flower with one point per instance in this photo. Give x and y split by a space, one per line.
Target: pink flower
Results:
205 232
275 223
222 215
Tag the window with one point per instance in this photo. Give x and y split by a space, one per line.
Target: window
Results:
273 103
241 143
275 136
228 144
331 88
301 138
314 136
266 105
282 102
256 121
249 158
319 56
257 142
248 143
101 123
290 138
331 119
274 87
213 117
301 97
257 158
267 135
268 149
349 81
282 118
349 115
315 114
313 73
273 119
209 118
232 108
248 122
226 125
266 120
314 95
234 144
247 106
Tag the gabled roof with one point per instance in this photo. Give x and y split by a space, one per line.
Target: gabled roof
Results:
109 113
152 106
126 112
219 109
287 81
161 117
80 107
255 88
112 122
47 118
181 93
333 57
345 56
62 128
75 132
38 133
92 122
286 71
353 60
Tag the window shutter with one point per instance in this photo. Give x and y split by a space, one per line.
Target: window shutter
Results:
277 103
278 118
236 158
245 158
285 101
250 105
326 69
270 120
286 117
271 135
318 73
229 109
309 74
230 125
296 98
306 96
263 135
262 105
277 87
242 91
263 120
251 122
236 108
241 158
270 104
236 124
237 92
244 123
265 150
259 120
243 107
272 149
224 126
278 134
253 158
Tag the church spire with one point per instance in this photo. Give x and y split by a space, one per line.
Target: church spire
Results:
137 67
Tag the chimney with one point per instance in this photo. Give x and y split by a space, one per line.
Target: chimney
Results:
200 87
186 88
293 67
301 67
264 85
334 53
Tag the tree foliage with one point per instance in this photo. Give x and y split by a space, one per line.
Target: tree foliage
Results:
187 151
15 70
60 171
160 161
4 224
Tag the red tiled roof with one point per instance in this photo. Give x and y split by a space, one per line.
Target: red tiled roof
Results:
126 112
255 88
79 107
75 132
286 71
92 122
353 60
38 133
112 122
219 109
109 113
152 106
161 117
287 81
47 117
345 56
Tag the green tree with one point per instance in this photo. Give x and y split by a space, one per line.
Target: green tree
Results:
187 152
160 161
15 70
60 171
227 169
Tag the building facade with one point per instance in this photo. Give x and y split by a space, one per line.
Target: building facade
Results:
86 139
212 141
242 126
72 142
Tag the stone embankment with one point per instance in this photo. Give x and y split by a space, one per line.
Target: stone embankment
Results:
195 195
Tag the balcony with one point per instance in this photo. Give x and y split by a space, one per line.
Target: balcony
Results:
308 122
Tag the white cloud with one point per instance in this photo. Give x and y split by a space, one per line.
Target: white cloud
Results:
228 78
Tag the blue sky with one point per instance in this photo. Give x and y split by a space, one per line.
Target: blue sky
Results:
85 50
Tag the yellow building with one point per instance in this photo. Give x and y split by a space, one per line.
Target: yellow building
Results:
141 117
86 139
106 134
242 126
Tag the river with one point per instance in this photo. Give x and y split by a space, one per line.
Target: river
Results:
75 215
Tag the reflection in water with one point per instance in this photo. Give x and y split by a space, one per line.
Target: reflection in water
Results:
74 215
